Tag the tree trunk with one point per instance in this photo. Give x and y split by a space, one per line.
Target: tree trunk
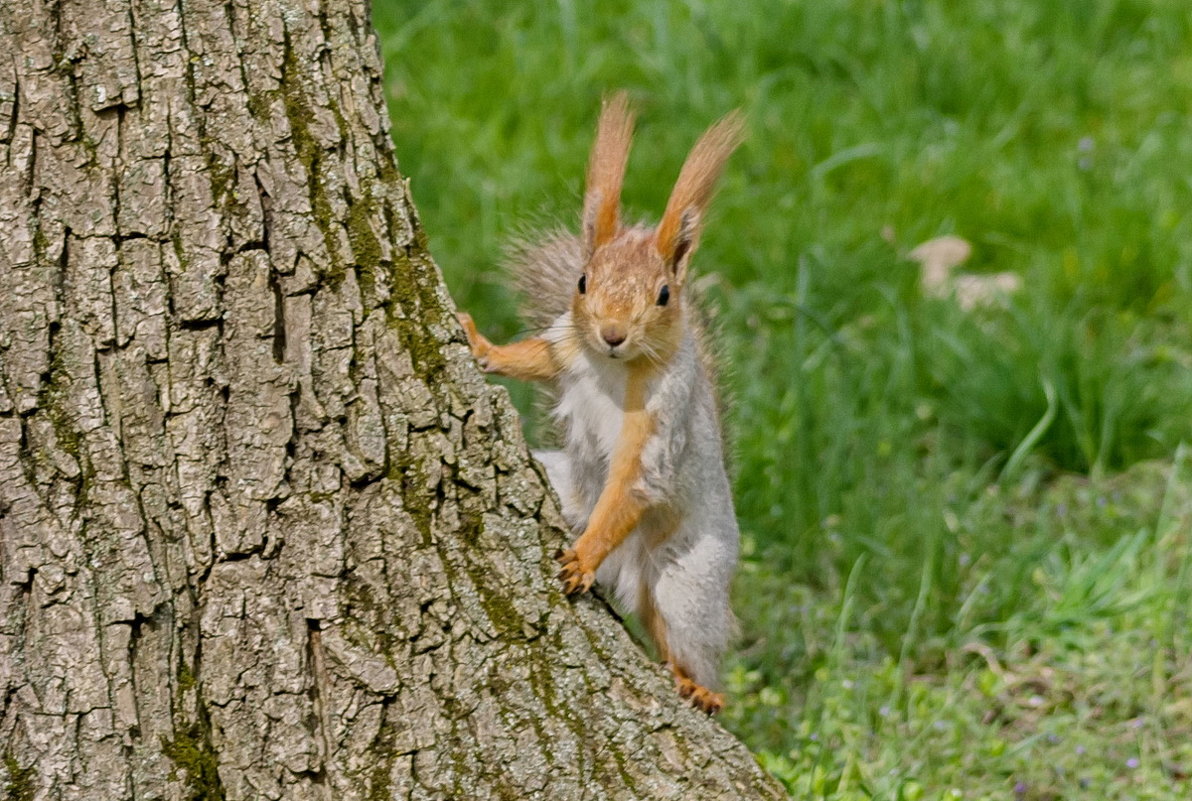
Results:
266 532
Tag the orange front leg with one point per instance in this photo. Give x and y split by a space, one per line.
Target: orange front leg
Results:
616 514
528 360
619 508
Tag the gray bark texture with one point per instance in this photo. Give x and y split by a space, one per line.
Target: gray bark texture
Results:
265 531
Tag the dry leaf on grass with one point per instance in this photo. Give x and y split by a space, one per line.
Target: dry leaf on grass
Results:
939 257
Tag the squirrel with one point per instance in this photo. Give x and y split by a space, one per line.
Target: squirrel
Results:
642 476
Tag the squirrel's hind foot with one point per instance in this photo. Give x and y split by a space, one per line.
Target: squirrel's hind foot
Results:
700 697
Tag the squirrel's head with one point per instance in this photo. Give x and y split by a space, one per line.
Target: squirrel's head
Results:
628 302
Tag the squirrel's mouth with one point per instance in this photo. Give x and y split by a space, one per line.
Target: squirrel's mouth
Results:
619 351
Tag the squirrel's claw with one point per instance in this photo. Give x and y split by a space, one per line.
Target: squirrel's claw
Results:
575 579
700 697
476 341
468 324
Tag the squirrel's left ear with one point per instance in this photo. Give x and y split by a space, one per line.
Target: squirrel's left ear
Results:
678 232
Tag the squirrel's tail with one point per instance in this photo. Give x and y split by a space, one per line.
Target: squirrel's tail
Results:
545 271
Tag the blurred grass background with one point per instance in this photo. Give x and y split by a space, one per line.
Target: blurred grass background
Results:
966 532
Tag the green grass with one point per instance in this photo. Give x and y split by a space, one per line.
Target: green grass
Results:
966 568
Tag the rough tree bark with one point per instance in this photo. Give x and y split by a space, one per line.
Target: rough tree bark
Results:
266 532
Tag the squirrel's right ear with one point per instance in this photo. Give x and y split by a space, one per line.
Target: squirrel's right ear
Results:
678 231
606 172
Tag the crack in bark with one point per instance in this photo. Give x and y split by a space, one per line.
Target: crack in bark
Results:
320 687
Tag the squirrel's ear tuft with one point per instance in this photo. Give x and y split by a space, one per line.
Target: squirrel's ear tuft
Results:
606 172
678 232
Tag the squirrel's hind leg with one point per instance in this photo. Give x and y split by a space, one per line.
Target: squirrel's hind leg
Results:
701 697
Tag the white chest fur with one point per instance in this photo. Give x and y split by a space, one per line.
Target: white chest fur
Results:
591 404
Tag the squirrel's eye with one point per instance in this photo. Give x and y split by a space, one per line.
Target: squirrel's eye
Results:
583 284
663 295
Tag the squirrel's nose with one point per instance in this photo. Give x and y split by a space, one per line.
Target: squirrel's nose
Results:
612 334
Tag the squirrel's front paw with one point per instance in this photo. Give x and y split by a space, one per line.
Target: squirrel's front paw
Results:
479 345
573 575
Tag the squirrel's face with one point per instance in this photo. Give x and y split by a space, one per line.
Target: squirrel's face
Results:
628 304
